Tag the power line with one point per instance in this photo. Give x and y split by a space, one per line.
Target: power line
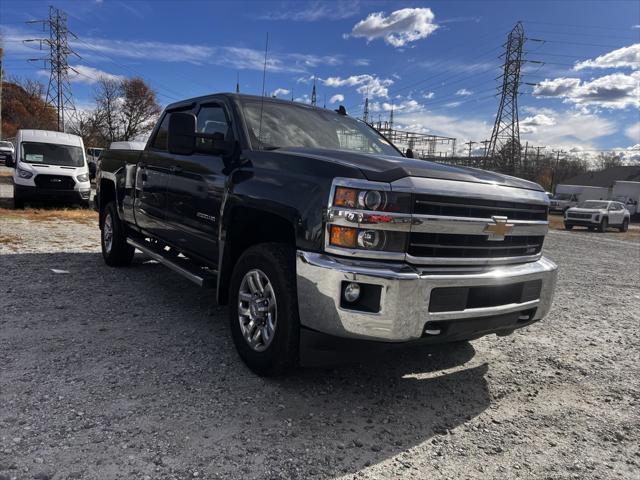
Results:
59 89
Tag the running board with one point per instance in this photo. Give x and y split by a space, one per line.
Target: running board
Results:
183 266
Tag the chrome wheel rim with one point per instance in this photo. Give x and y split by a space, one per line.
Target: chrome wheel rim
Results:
107 233
257 310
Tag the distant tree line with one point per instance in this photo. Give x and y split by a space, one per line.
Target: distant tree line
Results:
124 110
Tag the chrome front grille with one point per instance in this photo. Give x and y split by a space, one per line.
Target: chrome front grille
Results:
477 208
472 246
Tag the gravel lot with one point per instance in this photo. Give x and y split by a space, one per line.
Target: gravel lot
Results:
131 374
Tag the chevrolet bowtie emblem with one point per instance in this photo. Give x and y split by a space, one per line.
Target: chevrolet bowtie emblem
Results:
498 229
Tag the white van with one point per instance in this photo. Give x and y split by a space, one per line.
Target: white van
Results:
50 165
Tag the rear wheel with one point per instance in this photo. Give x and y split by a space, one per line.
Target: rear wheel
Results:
263 309
625 225
115 249
604 224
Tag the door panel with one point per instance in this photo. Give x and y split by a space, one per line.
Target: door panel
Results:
196 188
150 203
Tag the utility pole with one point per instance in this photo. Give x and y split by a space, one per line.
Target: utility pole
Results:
59 88
391 119
313 92
470 143
238 83
485 143
538 153
553 174
365 115
505 137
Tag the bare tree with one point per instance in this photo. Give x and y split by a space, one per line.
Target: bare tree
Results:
107 95
139 108
607 160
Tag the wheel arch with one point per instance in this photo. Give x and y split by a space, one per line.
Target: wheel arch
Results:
246 227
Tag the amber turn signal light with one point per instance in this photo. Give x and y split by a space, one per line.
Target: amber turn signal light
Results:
343 236
346 197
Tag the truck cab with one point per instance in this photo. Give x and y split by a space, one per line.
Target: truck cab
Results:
320 234
49 165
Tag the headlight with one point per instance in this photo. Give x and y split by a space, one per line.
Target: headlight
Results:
373 200
366 239
24 173
83 178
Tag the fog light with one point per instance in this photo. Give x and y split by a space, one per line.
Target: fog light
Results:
352 292
371 239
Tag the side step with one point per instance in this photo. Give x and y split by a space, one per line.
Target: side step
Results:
198 275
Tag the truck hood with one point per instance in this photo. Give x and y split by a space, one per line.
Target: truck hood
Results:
52 169
385 168
586 210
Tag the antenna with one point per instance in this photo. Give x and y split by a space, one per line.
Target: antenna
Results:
264 76
238 83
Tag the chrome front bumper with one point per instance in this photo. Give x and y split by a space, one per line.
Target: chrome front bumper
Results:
405 295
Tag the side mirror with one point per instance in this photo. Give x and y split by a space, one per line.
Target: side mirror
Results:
409 153
182 133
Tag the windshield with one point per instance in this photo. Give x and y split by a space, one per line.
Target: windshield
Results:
6 145
595 204
52 154
290 125
563 196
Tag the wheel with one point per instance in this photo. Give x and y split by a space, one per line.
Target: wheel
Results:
604 224
115 249
625 225
18 203
590 228
263 309
568 226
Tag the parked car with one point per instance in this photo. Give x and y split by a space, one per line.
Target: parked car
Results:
50 165
320 234
93 154
598 214
7 152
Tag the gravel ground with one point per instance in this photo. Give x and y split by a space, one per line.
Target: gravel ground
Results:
131 374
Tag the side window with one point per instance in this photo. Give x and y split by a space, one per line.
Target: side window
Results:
160 142
213 120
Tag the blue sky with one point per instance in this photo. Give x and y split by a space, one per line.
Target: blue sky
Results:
435 62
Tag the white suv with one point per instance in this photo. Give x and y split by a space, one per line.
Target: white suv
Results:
598 214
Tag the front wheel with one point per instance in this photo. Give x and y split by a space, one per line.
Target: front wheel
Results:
115 249
568 226
604 224
625 225
263 309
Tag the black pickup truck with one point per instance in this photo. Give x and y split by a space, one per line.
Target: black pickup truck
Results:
320 234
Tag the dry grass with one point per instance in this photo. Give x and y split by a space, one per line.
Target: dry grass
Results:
80 215
9 241
556 223
6 173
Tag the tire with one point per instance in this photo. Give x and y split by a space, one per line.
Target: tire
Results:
115 249
275 352
604 224
591 229
567 226
625 225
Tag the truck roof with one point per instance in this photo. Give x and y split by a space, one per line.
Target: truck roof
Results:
48 136
233 96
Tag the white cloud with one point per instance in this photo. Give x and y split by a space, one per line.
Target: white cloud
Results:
633 132
280 91
406 106
615 91
566 130
90 75
428 95
620 58
636 26
336 98
313 11
370 85
463 92
453 104
399 28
